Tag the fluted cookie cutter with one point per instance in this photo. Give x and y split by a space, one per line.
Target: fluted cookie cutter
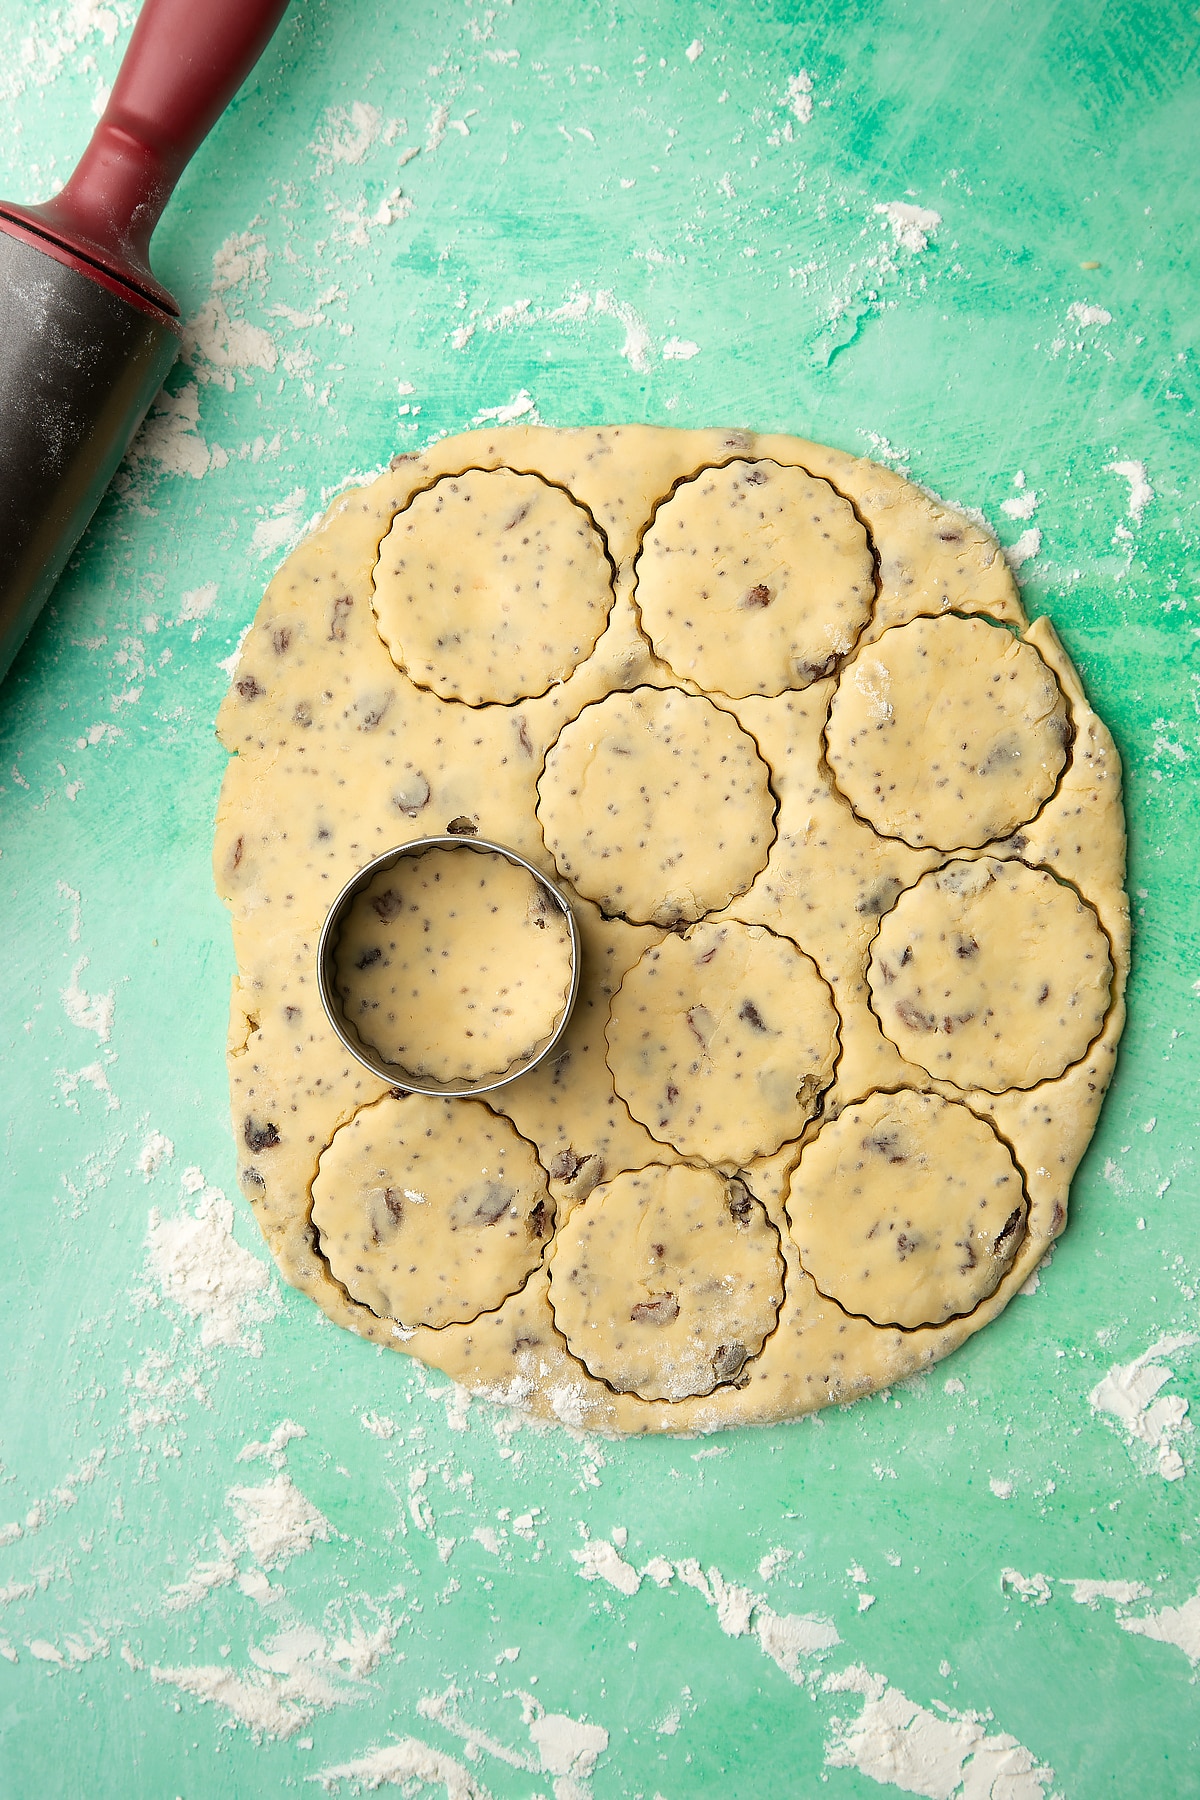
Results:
395 1074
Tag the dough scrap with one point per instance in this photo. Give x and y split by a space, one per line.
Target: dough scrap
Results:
907 1210
454 964
754 578
490 586
991 974
430 1211
722 1041
337 756
665 1283
657 806
948 732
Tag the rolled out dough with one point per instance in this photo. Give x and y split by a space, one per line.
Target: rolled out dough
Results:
780 777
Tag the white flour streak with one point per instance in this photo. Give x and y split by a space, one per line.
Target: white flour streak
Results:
72 894
694 50
91 1012
279 1523
1140 491
569 1750
1129 1393
1027 546
1177 1625
1121 1593
600 1561
638 345
294 1676
170 438
786 1638
198 1265
402 1764
274 1450
912 226
770 1565
900 1744
440 1708
1021 506
202 1579
522 406
156 1150
93 1073
282 527
679 350
197 602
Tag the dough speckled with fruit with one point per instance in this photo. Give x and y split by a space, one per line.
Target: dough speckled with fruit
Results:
934 775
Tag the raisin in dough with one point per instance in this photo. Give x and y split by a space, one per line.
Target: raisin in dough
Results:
667 1282
490 586
754 578
948 732
722 1041
907 1210
454 964
657 806
430 1211
991 975
338 754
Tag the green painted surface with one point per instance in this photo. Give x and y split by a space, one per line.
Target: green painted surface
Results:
582 152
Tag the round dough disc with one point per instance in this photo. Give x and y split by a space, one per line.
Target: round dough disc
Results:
722 1041
754 578
991 975
949 732
430 1212
453 965
657 806
666 1282
907 1210
490 586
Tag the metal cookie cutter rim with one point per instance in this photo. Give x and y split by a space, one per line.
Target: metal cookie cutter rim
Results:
394 1073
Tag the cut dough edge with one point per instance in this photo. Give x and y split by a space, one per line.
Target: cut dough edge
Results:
966 557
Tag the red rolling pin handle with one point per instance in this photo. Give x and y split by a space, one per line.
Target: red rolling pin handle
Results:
185 61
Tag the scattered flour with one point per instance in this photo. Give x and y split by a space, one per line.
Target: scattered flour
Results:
773 1562
197 603
679 350
786 1638
198 1265
912 226
522 406
156 1150
1027 546
1084 315
695 50
293 1677
1122 1593
1030 1587
404 1764
900 1744
170 440
91 1012
601 1561
278 1522
1129 1393
1177 1625
798 98
274 1450
1140 491
283 526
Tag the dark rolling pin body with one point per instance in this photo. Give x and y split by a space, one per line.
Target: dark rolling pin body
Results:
86 331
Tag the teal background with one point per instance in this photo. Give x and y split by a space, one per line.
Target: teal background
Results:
1048 137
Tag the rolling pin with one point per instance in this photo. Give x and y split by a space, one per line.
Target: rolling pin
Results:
87 333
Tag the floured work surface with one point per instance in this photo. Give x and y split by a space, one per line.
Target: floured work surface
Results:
846 850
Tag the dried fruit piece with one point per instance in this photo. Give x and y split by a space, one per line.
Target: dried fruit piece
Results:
947 732
665 1282
754 578
430 1212
907 1209
723 1040
657 805
491 586
991 975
